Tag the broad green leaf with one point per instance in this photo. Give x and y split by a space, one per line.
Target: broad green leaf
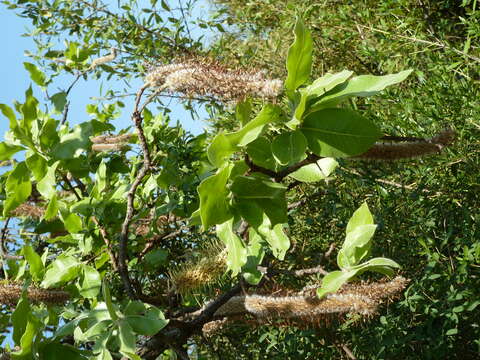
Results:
37 165
17 187
52 208
29 111
243 111
57 351
277 239
361 216
126 337
381 265
19 319
36 266
255 254
9 114
299 57
27 338
154 259
363 85
315 172
47 186
289 148
7 150
74 143
237 254
260 152
108 301
339 133
214 202
90 282
356 246
62 270
73 223
49 135
101 178
224 145
256 196
149 324
35 74
315 90
333 281
59 101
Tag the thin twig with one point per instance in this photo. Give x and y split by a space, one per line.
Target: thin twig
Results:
3 249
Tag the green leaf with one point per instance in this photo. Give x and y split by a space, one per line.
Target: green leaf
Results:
333 281
214 202
9 114
90 282
19 319
356 246
312 92
29 111
260 152
149 324
299 57
35 74
277 239
49 135
126 337
315 172
47 186
256 196
73 223
361 216
289 148
237 254
7 150
339 133
27 338
108 301
74 143
35 262
62 270
37 165
59 101
154 259
52 208
224 145
364 85
57 351
243 111
381 265
255 254
17 187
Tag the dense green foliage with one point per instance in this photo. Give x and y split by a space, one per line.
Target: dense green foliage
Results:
137 227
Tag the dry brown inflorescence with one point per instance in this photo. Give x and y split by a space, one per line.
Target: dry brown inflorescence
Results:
10 293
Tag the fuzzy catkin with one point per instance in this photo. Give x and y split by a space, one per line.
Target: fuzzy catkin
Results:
207 78
11 293
408 149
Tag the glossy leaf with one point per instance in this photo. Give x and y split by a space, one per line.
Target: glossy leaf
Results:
108 301
73 223
36 267
289 147
35 74
59 101
255 196
339 133
214 202
299 57
74 143
236 252
361 216
17 187
149 324
7 150
47 186
277 239
224 145
19 319
62 270
333 281
315 172
90 282
255 254
52 208
356 246
363 85
260 152
37 165
126 337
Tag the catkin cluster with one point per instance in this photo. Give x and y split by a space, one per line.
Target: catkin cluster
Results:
208 78
305 308
10 293
111 142
408 149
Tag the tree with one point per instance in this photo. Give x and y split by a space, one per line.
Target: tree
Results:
130 233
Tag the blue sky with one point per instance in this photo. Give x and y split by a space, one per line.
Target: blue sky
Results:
15 79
